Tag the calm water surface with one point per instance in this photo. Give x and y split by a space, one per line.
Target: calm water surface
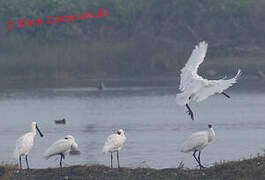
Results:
155 127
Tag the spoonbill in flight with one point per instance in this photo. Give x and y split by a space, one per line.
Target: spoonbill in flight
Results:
25 143
195 88
62 147
114 143
197 142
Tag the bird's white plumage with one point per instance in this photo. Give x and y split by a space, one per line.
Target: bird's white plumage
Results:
114 142
197 141
215 86
25 142
24 145
190 69
193 86
62 146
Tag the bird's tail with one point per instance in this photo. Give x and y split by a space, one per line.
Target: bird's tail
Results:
47 155
184 147
105 149
182 99
16 154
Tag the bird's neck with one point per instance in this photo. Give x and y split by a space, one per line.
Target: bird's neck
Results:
34 130
211 135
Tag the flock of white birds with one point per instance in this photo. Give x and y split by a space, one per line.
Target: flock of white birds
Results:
193 88
64 146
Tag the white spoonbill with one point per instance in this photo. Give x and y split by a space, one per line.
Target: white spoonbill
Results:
195 88
197 142
114 143
61 147
25 143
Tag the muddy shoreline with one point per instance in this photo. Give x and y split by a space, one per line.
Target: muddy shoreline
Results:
253 168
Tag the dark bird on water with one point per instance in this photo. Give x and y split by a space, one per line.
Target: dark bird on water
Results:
60 121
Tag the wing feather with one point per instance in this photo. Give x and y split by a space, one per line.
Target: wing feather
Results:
195 141
190 69
23 145
215 86
113 143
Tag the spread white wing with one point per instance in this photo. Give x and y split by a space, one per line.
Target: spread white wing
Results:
189 71
215 86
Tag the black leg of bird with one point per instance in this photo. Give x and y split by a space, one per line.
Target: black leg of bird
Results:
118 159
20 165
26 157
61 161
190 112
194 155
111 160
61 166
199 158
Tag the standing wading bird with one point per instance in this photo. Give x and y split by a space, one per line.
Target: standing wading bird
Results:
25 143
114 143
196 88
61 147
197 142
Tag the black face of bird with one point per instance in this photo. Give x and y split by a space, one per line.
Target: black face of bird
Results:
41 135
118 132
209 125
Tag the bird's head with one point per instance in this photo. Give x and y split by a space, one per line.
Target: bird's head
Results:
34 124
74 146
69 137
210 126
120 132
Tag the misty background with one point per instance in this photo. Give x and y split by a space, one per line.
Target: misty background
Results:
137 39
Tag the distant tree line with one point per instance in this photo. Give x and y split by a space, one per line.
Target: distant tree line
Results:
138 36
